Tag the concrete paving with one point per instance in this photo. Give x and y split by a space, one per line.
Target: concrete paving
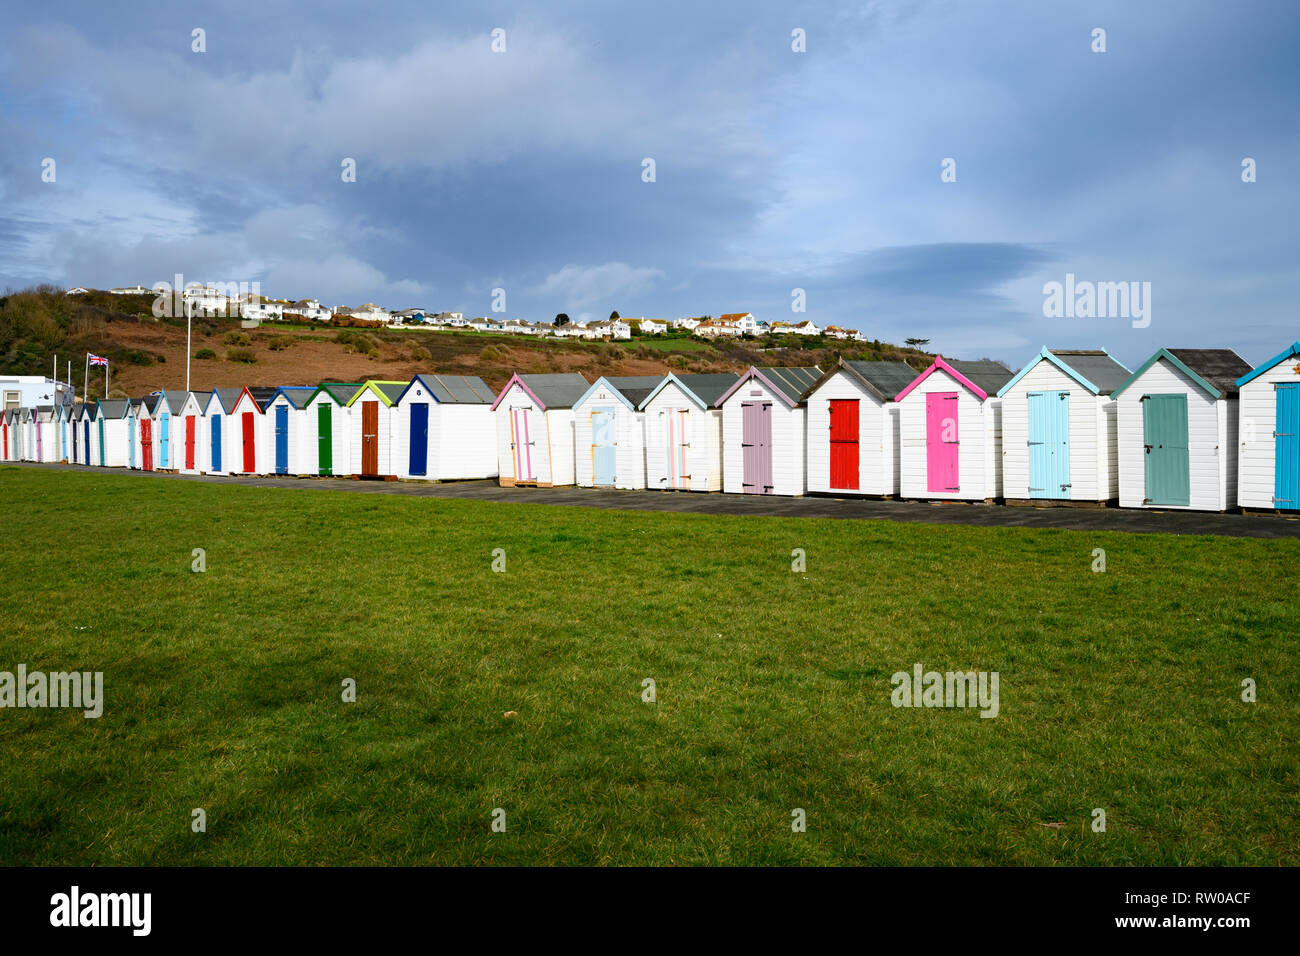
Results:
813 506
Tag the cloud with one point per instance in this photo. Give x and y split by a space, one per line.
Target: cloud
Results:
578 286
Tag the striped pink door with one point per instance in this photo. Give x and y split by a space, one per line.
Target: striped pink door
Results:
756 441
941 445
523 445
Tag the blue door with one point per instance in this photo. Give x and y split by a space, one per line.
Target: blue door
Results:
216 442
281 439
1049 444
130 443
165 438
419 439
1286 448
85 445
603 453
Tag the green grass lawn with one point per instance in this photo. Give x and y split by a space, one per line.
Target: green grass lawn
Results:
1119 690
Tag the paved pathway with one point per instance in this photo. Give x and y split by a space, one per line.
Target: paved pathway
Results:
990 516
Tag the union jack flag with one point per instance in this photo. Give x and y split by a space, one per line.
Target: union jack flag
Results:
98 360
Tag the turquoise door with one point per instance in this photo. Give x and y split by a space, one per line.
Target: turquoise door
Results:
1049 444
1286 448
165 439
101 443
1164 429
603 453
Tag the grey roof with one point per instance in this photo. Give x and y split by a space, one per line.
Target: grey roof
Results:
885 379
175 398
794 382
556 390
987 374
465 389
709 387
151 402
228 397
635 388
114 407
297 394
1096 366
1220 367
392 390
342 392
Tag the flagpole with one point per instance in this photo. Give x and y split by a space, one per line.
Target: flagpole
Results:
106 379
85 382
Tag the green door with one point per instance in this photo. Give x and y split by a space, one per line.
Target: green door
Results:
1164 429
325 430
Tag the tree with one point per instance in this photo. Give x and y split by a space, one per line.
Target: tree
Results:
917 343
614 315
561 319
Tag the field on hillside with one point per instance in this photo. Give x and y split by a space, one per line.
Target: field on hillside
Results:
523 690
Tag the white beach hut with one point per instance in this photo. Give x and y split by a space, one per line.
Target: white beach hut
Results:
534 425
1058 428
950 432
609 432
853 428
444 429
764 431
683 432
1268 461
1177 431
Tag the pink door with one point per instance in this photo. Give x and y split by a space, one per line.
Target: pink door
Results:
756 441
941 445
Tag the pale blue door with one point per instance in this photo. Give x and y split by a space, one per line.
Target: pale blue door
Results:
604 455
1049 444
130 443
165 439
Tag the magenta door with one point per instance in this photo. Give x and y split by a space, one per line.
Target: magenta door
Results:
756 442
941 445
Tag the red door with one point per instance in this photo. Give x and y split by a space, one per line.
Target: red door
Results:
844 443
941 445
189 442
146 444
370 439
250 447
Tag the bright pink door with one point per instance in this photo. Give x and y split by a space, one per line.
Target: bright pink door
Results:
941 445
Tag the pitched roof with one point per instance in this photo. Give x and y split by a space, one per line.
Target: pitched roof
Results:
631 389
386 392
705 389
983 377
226 396
113 407
340 392
789 384
297 395
1286 353
261 394
987 374
882 379
175 398
1214 370
1094 369
462 389
551 390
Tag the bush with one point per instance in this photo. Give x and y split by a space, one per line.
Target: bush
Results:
419 353
238 338
241 355
279 343
205 354
139 358
161 359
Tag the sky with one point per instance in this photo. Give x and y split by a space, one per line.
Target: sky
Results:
909 169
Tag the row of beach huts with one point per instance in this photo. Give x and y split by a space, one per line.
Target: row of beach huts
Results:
1192 428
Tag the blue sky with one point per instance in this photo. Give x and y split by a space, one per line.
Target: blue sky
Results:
775 170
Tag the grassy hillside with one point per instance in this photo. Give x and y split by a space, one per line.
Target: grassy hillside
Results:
523 690
149 353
